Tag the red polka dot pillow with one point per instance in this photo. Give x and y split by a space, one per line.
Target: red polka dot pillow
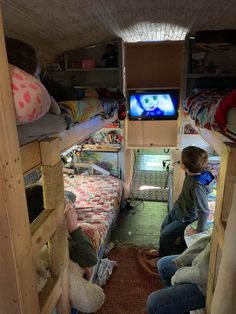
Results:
31 98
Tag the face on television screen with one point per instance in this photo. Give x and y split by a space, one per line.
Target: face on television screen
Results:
153 105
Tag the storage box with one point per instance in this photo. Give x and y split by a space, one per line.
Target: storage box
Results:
87 64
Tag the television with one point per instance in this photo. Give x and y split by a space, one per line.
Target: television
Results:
159 104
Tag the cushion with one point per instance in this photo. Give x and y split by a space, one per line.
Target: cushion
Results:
31 99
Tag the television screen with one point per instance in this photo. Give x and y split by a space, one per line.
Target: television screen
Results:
153 105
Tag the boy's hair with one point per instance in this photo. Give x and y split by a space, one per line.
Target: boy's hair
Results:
22 55
195 159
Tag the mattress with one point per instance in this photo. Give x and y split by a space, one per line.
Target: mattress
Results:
97 200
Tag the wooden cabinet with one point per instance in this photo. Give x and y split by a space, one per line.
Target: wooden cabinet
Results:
153 66
151 134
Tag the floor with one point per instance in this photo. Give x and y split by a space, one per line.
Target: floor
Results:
150 176
140 225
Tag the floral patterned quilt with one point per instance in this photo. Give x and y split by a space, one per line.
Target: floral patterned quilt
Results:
97 200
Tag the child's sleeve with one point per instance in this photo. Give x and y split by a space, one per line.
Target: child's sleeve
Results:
81 250
201 202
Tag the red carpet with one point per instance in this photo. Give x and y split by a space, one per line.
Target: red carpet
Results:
129 285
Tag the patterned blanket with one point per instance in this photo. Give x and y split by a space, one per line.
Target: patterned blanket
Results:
209 108
97 200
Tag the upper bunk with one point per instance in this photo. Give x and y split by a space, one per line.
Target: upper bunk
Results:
214 139
210 81
49 103
30 152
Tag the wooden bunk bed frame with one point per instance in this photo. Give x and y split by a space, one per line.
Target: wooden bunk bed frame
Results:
20 241
226 181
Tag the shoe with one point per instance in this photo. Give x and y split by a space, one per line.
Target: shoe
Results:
153 262
143 262
152 253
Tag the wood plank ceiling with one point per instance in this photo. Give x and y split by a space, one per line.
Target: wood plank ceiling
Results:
54 26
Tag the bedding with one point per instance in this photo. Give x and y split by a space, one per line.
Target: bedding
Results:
48 124
70 112
81 110
97 200
210 109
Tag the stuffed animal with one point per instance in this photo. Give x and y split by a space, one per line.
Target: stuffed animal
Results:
85 296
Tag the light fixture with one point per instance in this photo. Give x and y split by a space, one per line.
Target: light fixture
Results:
149 32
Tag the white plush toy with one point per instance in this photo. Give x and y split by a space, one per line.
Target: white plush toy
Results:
84 295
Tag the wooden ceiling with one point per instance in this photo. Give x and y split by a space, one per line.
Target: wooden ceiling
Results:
54 26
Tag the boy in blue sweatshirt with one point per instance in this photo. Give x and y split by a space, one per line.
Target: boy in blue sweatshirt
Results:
192 203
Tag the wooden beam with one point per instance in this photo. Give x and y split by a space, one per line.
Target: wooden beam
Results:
18 292
30 156
50 151
42 229
50 295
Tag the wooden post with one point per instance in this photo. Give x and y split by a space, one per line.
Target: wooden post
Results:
18 293
53 187
225 185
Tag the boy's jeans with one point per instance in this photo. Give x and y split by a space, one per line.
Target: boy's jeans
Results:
178 299
172 227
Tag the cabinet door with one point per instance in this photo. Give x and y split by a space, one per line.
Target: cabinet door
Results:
134 133
160 133
152 133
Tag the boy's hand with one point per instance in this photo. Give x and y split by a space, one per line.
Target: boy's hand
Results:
71 217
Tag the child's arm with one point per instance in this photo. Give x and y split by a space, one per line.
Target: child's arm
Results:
201 201
80 248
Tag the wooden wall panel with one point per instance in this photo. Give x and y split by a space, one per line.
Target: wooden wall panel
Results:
154 65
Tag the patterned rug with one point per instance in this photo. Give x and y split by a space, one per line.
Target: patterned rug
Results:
152 183
129 285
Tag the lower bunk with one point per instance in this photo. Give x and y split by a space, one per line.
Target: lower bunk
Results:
97 202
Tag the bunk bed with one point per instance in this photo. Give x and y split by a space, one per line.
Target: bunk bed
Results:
23 242
197 109
46 153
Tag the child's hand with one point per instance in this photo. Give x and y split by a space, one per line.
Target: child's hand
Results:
71 217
